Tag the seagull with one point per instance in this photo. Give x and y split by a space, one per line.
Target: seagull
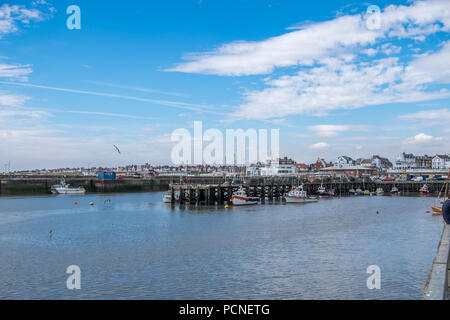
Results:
117 149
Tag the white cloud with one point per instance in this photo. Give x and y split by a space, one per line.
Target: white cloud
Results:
330 74
337 84
12 16
11 100
329 130
14 71
422 138
319 40
303 47
435 114
319 145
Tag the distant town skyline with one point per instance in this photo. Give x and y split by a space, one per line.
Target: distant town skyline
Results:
403 161
133 74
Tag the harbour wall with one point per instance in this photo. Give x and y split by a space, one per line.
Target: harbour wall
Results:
437 285
42 184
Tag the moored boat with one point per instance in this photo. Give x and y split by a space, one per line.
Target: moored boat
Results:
64 188
240 198
424 189
298 195
322 191
352 192
167 197
394 191
437 209
359 192
380 191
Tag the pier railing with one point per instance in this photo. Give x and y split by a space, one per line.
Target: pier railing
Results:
437 286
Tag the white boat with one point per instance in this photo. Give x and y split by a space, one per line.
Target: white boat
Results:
240 198
380 191
394 190
64 188
167 197
424 189
298 195
322 191
359 192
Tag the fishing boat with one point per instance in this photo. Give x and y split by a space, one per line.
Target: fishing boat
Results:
424 189
322 191
167 197
373 194
359 192
298 195
380 191
64 188
352 192
366 192
394 191
240 198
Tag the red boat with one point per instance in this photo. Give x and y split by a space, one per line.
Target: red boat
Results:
424 189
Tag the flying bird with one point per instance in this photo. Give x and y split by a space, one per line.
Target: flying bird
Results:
117 149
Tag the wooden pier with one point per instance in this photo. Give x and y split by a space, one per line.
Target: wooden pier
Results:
218 194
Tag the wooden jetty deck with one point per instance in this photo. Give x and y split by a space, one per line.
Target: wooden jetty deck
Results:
211 194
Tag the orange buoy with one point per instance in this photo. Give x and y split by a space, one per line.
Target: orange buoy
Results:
75 202
427 211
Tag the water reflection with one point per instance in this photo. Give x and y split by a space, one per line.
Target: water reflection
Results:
135 246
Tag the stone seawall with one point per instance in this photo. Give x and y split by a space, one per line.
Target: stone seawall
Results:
437 286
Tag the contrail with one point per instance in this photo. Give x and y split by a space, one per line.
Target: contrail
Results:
173 104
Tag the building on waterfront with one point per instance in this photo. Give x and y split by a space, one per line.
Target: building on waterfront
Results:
278 167
350 171
424 162
381 163
405 161
441 162
319 164
344 161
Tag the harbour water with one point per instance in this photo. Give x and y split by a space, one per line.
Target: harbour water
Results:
136 247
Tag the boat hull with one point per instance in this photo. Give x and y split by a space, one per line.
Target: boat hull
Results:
74 191
243 201
436 209
299 200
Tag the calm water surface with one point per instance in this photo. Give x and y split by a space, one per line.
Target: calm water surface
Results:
136 247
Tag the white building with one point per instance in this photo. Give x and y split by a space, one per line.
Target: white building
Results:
441 162
344 161
405 161
278 167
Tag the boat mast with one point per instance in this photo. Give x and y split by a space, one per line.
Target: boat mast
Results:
446 185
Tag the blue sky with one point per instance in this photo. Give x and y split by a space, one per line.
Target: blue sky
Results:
138 70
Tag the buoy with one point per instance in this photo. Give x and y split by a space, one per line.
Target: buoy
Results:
75 202
91 203
427 211
226 206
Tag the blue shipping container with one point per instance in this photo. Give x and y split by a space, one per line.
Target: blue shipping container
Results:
110 175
